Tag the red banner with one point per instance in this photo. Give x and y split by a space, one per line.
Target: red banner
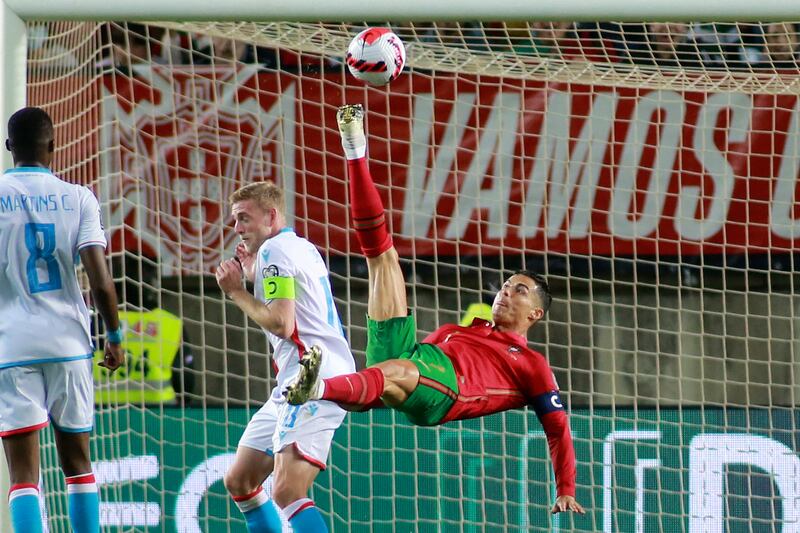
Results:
467 165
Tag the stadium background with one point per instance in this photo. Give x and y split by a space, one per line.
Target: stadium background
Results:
675 316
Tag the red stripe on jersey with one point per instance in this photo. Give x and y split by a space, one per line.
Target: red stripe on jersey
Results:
27 429
435 385
81 478
301 348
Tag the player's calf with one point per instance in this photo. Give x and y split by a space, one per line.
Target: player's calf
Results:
366 206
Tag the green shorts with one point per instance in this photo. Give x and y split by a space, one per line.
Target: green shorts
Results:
438 387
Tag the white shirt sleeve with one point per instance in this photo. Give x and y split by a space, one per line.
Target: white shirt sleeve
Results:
90 232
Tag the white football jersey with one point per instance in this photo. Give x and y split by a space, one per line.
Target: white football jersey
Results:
316 320
44 222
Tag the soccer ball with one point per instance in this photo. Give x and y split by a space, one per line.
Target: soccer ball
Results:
376 56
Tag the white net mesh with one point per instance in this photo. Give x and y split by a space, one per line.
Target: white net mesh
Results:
649 170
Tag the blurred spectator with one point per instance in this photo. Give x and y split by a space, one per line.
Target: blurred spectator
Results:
46 49
225 51
555 39
669 48
131 44
461 34
780 46
719 45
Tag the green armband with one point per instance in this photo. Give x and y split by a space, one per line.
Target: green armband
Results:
278 287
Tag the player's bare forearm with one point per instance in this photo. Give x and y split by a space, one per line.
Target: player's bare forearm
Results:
104 295
276 316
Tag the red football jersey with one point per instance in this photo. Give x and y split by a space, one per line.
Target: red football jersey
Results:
496 371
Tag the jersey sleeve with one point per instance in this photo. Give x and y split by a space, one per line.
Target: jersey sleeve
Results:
544 397
90 231
276 273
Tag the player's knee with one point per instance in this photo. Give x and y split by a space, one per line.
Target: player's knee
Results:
286 491
398 371
237 484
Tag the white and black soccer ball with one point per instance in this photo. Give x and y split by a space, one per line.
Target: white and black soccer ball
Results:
376 56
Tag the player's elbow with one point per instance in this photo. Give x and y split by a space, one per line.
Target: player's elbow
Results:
282 327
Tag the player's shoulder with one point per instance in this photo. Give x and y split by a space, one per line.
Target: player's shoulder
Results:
285 243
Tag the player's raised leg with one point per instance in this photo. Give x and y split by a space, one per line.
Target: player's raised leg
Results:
22 456
244 482
387 292
390 382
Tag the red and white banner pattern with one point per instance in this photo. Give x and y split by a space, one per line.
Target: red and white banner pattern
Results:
472 165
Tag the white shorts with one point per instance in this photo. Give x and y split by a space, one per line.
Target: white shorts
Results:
309 427
62 392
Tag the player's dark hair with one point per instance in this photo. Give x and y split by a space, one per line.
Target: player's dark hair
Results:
542 289
30 130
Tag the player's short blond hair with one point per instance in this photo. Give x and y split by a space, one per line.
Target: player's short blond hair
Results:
265 193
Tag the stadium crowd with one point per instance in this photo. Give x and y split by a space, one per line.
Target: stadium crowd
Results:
753 47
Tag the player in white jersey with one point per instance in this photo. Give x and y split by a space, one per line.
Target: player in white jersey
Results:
46 225
294 305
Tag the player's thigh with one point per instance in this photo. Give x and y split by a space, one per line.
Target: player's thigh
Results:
249 470
73 452
436 390
254 456
390 338
70 395
23 406
293 477
387 287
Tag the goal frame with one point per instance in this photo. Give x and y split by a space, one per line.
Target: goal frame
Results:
15 13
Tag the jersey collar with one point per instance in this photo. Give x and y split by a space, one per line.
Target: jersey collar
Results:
516 337
39 170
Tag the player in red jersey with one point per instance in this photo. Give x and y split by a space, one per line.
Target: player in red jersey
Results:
456 372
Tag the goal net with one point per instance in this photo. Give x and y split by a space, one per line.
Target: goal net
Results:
649 170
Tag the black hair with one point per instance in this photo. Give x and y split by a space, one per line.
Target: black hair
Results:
542 289
30 130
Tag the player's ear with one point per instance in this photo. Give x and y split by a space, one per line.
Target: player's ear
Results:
51 146
536 314
8 144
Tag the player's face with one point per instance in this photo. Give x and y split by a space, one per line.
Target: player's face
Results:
252 224
516 304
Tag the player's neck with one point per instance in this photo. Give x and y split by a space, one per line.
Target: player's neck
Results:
29 163
510 330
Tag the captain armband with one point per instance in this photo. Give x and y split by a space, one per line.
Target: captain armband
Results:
278 287
547 403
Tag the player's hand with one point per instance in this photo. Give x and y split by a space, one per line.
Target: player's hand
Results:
229 276
567 503
247 260
114 357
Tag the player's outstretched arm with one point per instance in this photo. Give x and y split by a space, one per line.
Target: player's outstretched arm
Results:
276 316
104 296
